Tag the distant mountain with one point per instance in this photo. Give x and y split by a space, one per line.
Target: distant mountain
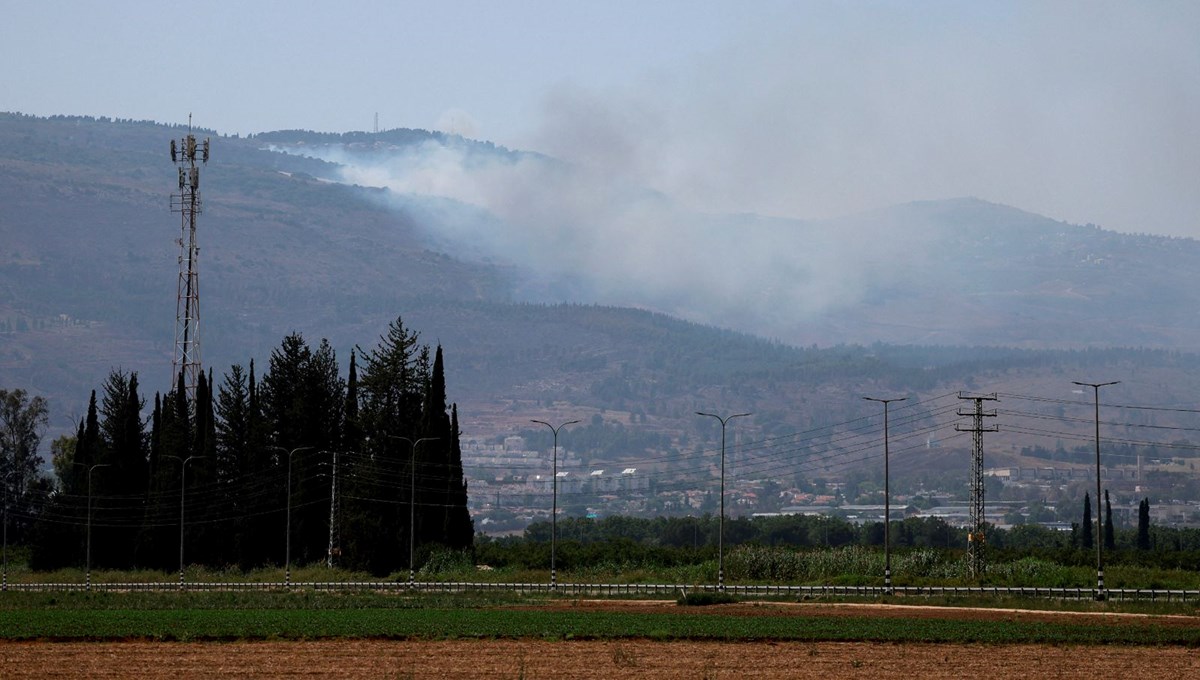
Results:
548 298
961 271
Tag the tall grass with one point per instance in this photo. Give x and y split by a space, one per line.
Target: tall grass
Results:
851 565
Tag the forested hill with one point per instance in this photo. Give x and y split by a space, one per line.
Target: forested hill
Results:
88 272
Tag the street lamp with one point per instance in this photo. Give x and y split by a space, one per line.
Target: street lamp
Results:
1099 532
412 498
287 554
887 499
4 579
554 501
182 489
88 551
721 521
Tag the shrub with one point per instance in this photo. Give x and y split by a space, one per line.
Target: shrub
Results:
701 598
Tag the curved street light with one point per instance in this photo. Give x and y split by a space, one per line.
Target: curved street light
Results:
87 580
412 498
182 490
887 499
554 502
721 521
1099 527
287 550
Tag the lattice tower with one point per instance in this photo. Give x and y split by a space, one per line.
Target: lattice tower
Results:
976 539
185 155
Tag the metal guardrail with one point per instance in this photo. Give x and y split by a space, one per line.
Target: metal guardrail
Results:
629 589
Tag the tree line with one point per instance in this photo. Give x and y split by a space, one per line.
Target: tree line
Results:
673 541
296 463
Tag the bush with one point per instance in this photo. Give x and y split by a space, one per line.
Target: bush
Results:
442 560
702 598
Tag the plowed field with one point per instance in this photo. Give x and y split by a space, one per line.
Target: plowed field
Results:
635 658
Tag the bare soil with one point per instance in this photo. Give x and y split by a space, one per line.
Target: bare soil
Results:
624 658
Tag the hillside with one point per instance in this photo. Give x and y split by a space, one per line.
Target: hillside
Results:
917 299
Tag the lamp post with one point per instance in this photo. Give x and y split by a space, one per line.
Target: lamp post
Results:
87 579
287 543
1099 526
412 499
887 499
721 521
182 495
554 501
4 579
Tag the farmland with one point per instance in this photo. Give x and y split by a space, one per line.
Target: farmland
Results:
366 635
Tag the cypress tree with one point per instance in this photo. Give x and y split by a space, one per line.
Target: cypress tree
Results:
352 434
259 520
433 456
87 449
1143 529
148 550
1110 541
460 531
203 539
1085 528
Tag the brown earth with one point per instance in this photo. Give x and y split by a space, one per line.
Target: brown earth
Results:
621 658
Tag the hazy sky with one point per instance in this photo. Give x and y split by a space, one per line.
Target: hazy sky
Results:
1082 111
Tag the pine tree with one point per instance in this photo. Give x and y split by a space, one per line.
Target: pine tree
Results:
231 429
1085 527
122 485
391 389
303 397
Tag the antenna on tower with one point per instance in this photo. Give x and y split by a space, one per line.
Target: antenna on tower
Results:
186 359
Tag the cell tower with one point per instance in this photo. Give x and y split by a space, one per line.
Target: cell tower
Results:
976 540
187 303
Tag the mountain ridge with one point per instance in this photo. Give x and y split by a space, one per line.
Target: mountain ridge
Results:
88 271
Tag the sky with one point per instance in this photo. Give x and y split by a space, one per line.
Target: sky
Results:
1087 112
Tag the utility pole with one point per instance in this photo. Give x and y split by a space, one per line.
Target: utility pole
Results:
976 541
334 537
887 499
1099 518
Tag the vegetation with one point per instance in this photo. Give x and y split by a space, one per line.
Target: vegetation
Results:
703 598
253 467
315 616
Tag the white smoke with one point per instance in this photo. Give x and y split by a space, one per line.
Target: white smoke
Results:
1082 115
613 241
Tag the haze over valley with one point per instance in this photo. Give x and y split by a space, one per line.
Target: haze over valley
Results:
632 213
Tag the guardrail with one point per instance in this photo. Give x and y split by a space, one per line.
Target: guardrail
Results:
630 589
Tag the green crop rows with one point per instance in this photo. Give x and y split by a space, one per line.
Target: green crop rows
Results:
106 619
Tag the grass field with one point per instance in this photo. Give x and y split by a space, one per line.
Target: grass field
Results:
314 616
